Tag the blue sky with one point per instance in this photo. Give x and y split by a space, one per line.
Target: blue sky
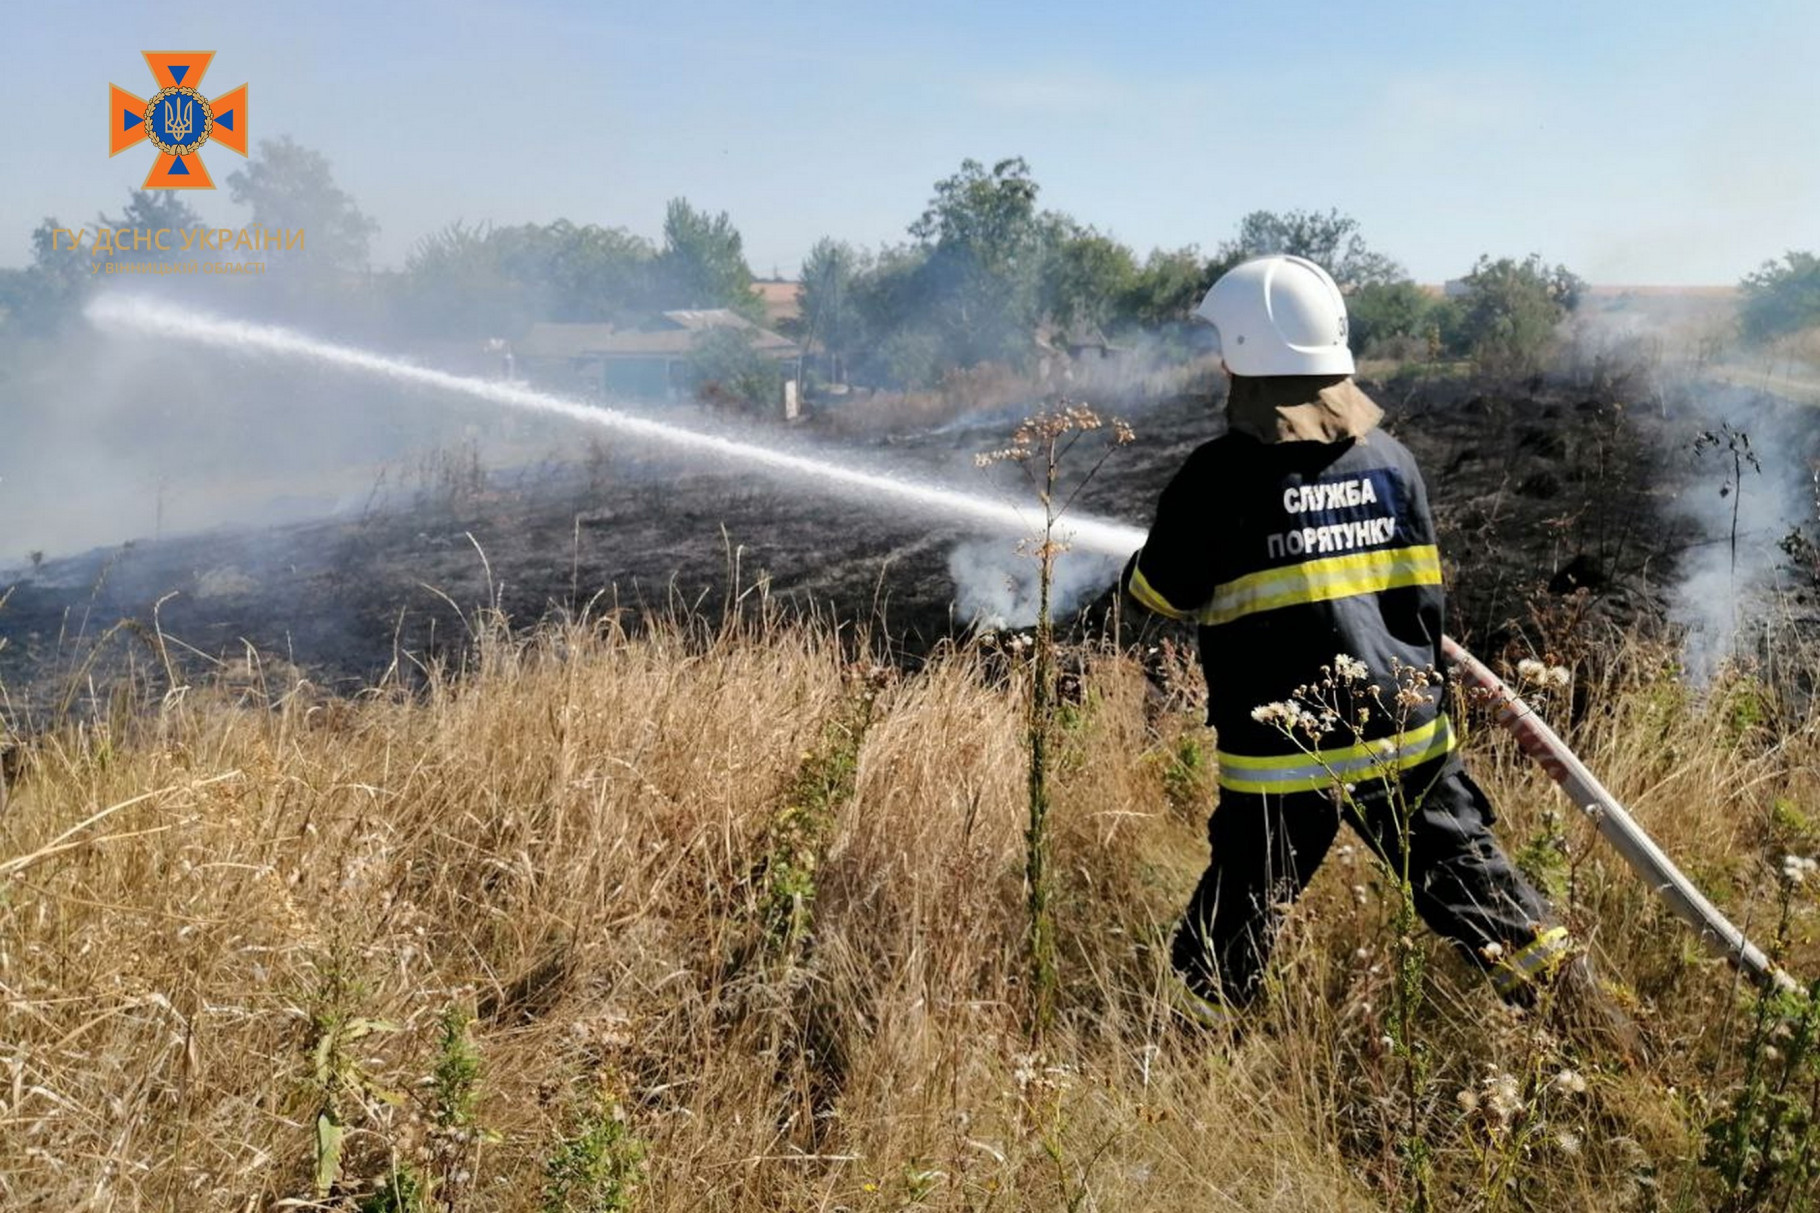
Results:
1663 142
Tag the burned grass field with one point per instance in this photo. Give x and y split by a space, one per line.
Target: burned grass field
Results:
1541 493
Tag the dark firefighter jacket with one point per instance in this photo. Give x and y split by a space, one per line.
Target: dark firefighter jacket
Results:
1288 554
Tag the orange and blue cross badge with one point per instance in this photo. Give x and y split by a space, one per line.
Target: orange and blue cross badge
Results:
177 120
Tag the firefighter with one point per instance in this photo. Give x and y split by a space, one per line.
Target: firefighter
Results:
1300 542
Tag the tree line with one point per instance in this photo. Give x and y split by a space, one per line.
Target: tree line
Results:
983 270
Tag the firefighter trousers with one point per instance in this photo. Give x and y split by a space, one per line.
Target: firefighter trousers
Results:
1266 849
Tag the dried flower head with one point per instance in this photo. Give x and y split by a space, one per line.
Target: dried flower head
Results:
1280 712
1503 1097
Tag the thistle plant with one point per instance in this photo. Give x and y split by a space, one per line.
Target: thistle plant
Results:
1041 447
1510 1114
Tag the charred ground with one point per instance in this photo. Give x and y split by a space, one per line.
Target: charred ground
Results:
1554 502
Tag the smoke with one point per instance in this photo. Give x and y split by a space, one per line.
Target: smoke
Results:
1747 488
1142 371
112 437
1740 460
996 586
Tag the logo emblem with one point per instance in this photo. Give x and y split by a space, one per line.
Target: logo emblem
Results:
177 120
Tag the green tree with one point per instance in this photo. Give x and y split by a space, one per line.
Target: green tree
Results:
1383 315
595 273
1167 287
979 283
989 215
703 263
898 341
1510 311
290 186
483 281
1086 275
1780 297
454 283
1330 240
727 368
830 306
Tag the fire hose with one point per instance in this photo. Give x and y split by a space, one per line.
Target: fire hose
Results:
1616 825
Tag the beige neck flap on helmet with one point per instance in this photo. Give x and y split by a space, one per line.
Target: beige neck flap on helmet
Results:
1279 315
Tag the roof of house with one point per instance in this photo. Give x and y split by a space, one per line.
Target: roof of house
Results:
547 340
697 319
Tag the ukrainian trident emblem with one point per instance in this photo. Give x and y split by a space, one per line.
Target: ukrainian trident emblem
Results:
177 120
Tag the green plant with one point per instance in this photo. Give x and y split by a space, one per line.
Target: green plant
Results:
597 1169
830 316
1765 1144
798 833
727 366
455 1135
703 262
1331 240
404 1191
1543 857
339 1082
1790 823
1745 707
1188 775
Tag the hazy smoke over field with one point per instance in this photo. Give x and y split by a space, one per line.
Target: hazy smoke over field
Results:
114 437
1741 461
1753 475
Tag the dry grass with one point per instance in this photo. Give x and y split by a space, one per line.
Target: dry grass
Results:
575 840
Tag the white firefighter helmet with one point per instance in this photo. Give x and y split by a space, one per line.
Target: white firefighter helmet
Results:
1279 315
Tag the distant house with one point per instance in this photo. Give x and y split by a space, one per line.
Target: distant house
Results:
649 362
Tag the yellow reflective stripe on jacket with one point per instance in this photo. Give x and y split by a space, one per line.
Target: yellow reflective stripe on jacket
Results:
1316 769
1146 595
1538 959
1322 581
